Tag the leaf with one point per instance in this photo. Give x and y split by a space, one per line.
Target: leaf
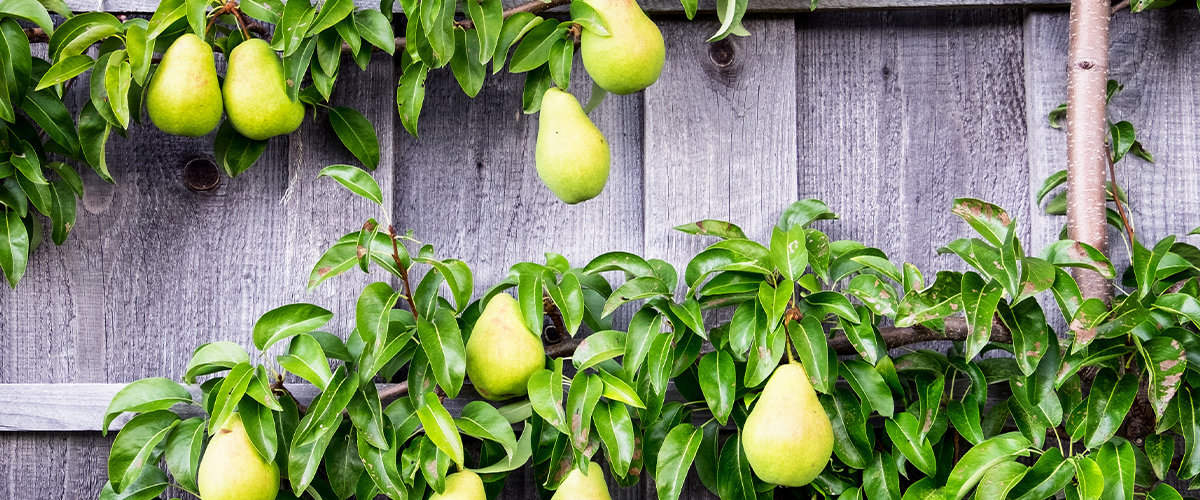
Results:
969 470
259 422
233 151
228 395
1160 450
287 321
213 357
789 252
182 452
850 441
1027 324
989 220
134 447
93 136
616 431
488 17
410 95
358 135
79 32
307 359
14 250
439 426
718 381
443 344
332 12
980 300
707 227
468 71
534 49
29 10
904 431
481 420
1117 460
1050 474
1068 253
804 212
870 386
619 390
730 12
1165 362
735 478
373 312
562 54
808 337
144 396
1108 403
64 70
597 348
45 108
635 289
326 410
545 394
675 459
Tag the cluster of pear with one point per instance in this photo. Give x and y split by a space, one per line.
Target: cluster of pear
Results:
185 97
572 156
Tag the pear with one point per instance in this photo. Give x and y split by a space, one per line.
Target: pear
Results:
571 154
464 485
787 437
578 486
631 57
502 353
255 92
184 96
233 470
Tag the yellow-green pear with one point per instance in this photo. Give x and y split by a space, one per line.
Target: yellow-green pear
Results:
184 96
571 154
578 486
631 57
232 470
502 352
464 485
255 92
787 437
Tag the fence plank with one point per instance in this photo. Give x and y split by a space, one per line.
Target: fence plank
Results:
907 111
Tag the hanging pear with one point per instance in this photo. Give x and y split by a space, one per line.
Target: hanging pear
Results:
464 485
502 353
571 154
233 470
631 57
255 92
184 96
580 486
788 437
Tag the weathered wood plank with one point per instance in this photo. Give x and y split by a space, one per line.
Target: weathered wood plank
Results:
666 6
1152 55
720 139
907 111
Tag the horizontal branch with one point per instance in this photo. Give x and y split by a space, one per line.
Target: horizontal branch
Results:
893 337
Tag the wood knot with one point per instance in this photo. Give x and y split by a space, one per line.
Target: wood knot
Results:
201 174
722 52
1085 64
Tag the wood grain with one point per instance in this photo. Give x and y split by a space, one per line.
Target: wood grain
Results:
904 112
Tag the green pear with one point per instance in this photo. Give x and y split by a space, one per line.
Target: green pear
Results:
571 154
464 485
255 91
787 437
184 96
233 470
502 353
631 56
580 486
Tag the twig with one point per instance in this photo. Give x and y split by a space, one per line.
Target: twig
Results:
1119 6
956 329
412 305
394 391
277 386
556 319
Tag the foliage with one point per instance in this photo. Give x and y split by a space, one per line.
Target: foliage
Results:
1023 413
43 132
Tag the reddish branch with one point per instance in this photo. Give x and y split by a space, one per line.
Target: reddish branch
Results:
403 271
1087 134
956 330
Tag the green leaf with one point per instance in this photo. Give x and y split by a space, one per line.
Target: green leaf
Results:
789 252
358 135
870 386
850 441
675 459
534 49
589 19
1000 479
707 227
562 54
214 357
568 297
183 452
228 395
465 64
64 70
718 381
1108 403
481 420
515 26
635 289
804 212
972 467
1027 324
735 479
326 411
597 348
144 396
980 300
615 428
1050 474
259 422
964 415
233 151
372 313
618 389
812 348
32 11
134 447
443 344
1117 460
765 352
488 17
14 250
93 136
1160 450
904 431
1069 253
287 321
546 396
989 220
876 294
410 95
440 428
332 12
458 277
307 359
1165 362
730 13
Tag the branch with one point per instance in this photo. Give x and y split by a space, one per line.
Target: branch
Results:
1119 6
36 35
1087 134
403 272
956 329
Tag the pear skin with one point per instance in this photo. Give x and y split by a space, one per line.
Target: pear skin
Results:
232 470
502 353
255 93
184 96
578 486
465 485
787 436
629 59
572 155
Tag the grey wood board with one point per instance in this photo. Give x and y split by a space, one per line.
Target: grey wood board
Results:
902 113
1152 54
661 6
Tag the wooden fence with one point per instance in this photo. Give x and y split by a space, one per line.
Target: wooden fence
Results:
885 111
